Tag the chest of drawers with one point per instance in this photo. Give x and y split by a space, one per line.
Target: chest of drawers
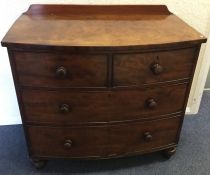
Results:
101 81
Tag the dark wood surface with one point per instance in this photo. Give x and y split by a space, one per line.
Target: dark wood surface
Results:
51 25
102 141
101 81
84 70
39 69
96 10
101 106
136 69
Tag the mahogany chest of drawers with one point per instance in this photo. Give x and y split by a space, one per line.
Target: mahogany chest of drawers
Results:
101 81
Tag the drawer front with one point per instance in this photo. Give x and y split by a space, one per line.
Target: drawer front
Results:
61 70
154 67
102 106
102 141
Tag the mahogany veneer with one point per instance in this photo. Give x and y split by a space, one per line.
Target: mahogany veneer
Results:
98 81
107 140
102 106
43 69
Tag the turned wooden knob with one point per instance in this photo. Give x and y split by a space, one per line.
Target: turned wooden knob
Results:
64 108
151 103
147 136
61 72
67 144
156 68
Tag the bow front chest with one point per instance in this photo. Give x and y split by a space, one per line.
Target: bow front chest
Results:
101 81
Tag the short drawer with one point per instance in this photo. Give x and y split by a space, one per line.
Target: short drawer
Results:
61 70
154 67
67 107
102 141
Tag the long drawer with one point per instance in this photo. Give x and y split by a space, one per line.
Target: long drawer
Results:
102 141
68 107
154 67
61 70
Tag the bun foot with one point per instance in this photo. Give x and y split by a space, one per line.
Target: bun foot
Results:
167 153
38 164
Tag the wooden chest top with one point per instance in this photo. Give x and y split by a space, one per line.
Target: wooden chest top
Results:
141 26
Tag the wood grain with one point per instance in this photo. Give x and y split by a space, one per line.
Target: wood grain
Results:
102 106
97 10
57 29
39 69
135 69
101 81
105 141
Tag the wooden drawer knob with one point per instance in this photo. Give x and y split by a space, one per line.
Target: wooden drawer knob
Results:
147 136
67 144
151 103
156 68
64 108
61 72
